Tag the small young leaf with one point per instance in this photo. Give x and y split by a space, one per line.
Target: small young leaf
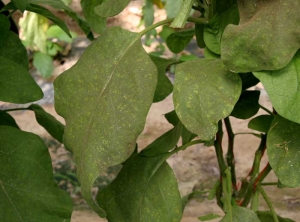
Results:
204 93
16 83
208 217
145 190
240 214
4 27
199 32
97 23
282 87
43 63
49 15
165 32
268 44
50 123
27 188
20 4
164 143
164 86
266 216
105 99
261 123
283 150
177 41
248 80
210 55
7 120
110 8
247 105
54 31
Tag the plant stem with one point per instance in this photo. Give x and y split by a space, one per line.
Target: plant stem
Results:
218 148
183 14
269 184
253 134
230 154
265 196
265 109
255 170
227 192
262 175
190 19
16 109
255 201
183 147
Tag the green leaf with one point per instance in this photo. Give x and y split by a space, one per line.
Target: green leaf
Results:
13 49
4 27
110 8
20 4
164 143
104 99
282 87
261 123
247 105
164 86
173 7
248 80
43 63
7 120
210 216
266 216
213 31
199 32
16 83
177 41
241 214
54 31
145 190
49 122
58 4
284 151
49 15
97 23
268 48
165 32
27 188
204 93
210 55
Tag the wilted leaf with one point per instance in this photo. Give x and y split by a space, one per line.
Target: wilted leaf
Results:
7 120
110 8
164 86
266 216
240 214
97 23
284 151
247 105
104 99
247 48
145 190
43 63
49 122
4 27
261 123
177 41
27 188
204 93
282 87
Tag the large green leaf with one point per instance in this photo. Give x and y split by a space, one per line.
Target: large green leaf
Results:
97 23
164 86
177 41
110 8
13 49
27 188
7 120
266 216
204 93
4 27
240 214
213 31
247 48
261 123
104 99
20 4
43 63
145 190
247 105
49 122
282 87
284 151
16 84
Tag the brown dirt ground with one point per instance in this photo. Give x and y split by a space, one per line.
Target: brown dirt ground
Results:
195 167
